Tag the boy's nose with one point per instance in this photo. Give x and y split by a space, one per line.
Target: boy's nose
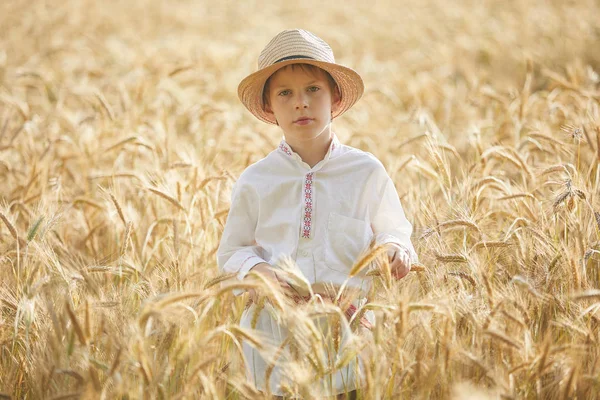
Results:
301 102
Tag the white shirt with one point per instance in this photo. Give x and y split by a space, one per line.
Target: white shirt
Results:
323 217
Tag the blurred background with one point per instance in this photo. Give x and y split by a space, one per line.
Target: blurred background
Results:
398 46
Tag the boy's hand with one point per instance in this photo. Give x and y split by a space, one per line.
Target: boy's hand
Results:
268 272
399 261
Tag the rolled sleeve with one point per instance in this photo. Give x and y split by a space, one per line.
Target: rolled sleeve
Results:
389 222
247 265
238 251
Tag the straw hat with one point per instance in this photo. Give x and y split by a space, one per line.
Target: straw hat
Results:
297 46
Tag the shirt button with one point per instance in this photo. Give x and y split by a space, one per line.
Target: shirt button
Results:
304 253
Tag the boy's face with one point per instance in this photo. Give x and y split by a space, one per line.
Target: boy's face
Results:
302 102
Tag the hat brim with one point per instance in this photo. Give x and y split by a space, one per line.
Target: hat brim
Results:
250 90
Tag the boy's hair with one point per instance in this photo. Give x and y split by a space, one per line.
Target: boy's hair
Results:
306 68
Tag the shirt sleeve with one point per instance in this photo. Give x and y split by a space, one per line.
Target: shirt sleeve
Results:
238 251
389 222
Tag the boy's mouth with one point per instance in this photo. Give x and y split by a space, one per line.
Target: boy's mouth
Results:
303 120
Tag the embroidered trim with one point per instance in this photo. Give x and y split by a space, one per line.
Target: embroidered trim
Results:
247 258
283 147
308 206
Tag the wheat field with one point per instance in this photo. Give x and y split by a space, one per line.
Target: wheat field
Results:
121 136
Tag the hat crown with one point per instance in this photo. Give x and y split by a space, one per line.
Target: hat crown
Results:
293 44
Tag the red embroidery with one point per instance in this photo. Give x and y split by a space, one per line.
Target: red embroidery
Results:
247 258
307 223
283 147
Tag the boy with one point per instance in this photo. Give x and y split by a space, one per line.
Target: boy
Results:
313 199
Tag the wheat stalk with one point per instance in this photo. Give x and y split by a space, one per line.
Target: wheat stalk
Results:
451 258
367 258
167 197
502 338
10 226
592 294
460 223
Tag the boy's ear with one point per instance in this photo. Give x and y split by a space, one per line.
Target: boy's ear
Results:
336 99
267 109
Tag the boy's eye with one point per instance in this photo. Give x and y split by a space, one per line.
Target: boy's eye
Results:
313 88
284 92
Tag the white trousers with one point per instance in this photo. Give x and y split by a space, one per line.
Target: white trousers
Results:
284 370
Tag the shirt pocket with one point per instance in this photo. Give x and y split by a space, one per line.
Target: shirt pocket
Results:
346 239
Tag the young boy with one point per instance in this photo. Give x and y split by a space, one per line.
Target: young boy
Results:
312 199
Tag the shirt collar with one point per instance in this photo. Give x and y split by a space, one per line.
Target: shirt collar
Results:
332 152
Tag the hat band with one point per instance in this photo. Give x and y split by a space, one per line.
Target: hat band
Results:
292 58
